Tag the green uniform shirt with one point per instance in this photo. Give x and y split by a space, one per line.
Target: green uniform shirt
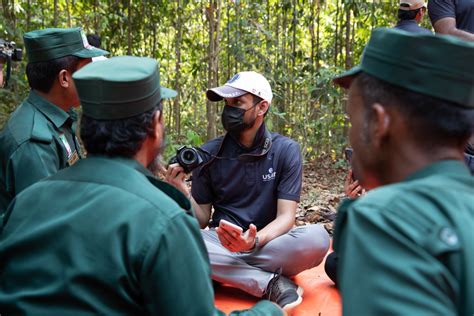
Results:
408 248
36 142
105 237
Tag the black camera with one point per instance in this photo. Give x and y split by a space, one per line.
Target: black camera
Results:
188 157
8 50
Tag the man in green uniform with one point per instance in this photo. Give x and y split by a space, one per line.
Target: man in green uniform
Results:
105 236
406 248
39 137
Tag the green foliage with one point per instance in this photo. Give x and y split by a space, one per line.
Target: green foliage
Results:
299 45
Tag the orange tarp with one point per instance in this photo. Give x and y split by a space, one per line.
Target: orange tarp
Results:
320 297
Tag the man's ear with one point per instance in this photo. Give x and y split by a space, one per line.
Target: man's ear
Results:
381 122
64 78
158 125
263 107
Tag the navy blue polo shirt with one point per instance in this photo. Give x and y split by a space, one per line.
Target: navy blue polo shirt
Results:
411 26
461 10
244 189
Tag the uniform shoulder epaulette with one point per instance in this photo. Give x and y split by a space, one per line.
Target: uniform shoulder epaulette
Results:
40 131
26 124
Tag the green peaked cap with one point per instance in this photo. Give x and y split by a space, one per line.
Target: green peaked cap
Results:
440 66
120 87
48 44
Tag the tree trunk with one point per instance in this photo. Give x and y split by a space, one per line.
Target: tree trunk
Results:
239 32
268 41
229 43
28 15
178 38
213 15
129 29
318 19
9 13
68 11
336 35
153 51
96 17
55 13
294 25
284 62
313 35
348 39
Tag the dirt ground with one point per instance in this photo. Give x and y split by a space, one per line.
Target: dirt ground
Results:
323 189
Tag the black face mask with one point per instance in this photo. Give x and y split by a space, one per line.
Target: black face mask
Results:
233 119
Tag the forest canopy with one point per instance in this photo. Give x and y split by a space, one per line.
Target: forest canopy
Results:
299 46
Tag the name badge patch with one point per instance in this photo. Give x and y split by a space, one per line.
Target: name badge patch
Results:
73 158
63 139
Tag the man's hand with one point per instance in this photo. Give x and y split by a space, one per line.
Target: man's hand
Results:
237 242
352 188
175 176
1 72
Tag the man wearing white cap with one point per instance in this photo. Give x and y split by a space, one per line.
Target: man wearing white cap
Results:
252 179
410 14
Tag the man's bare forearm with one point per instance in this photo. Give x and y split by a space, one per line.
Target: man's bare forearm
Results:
202 212
448 26
284 221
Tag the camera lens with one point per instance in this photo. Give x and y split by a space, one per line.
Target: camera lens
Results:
188 156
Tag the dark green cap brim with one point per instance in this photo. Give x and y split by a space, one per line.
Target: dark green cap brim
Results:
167 93
436 65
345 79
90 52
120 87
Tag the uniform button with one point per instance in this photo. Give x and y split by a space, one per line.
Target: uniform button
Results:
448 236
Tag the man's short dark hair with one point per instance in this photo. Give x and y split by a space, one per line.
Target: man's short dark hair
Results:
434 121
42 74
256 99
117 137
408 15
94 40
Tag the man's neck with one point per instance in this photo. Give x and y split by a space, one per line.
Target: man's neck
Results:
247 137
146 154
55 98
406 162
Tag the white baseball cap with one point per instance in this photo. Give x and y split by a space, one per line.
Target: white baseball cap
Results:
409 5
240 84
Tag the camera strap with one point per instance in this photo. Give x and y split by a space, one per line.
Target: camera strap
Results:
267 145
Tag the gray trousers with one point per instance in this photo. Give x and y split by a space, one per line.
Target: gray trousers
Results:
300 249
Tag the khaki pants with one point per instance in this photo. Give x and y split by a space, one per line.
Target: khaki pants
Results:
300 249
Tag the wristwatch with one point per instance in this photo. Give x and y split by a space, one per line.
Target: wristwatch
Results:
255 245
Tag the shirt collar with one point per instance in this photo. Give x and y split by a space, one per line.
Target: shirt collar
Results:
404 22
260 144
440 167
133 164
54 113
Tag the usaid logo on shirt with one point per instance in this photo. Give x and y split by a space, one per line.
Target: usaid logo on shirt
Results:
269 176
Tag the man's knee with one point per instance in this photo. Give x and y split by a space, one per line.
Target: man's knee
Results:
314 238
310 245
